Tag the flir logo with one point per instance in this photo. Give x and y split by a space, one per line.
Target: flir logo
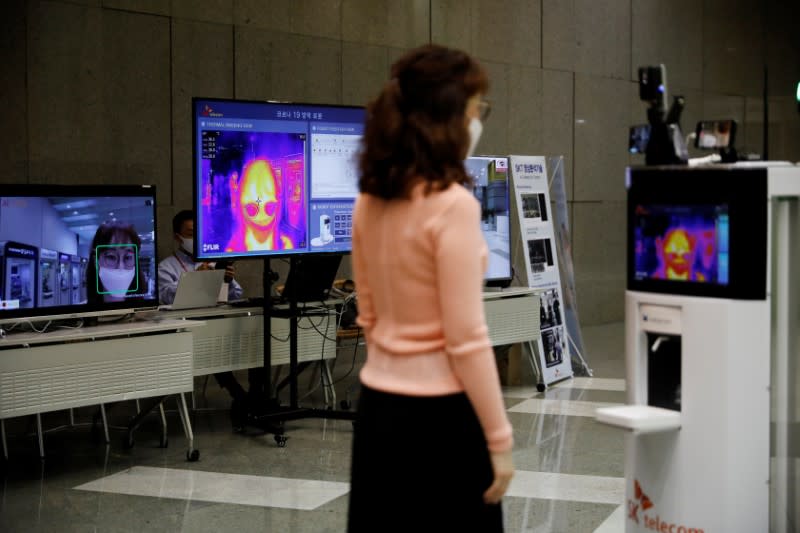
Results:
210 247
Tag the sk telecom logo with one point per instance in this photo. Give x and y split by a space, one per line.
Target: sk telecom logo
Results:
641 502
209 112
640 499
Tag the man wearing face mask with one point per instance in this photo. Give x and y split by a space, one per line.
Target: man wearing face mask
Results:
169 272
171 268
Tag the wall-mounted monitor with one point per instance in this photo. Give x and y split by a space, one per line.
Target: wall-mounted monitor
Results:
490 186
698 231
76 250
273 179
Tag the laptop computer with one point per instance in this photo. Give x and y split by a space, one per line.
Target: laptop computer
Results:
197 288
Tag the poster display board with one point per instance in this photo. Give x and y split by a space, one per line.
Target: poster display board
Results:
529 179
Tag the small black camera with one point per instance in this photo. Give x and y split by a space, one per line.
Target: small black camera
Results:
653 85
664 143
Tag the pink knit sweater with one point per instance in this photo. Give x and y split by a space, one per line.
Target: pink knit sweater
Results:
418 265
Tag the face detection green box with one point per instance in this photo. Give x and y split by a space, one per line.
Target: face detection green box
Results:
99 251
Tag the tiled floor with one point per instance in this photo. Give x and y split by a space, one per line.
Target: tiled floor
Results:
569 467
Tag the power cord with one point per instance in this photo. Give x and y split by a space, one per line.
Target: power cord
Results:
339 314
353 362
32 326
44 328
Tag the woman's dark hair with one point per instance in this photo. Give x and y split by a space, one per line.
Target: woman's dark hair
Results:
113 233
415 127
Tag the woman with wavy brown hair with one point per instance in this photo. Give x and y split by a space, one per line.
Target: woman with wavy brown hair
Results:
432 442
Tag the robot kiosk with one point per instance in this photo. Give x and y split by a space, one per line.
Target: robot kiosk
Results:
711 323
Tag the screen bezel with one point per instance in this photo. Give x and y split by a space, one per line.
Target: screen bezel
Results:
87 309
262 255
736 188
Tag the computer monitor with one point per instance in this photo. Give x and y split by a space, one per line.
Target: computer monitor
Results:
272 178
491 188
76 250
715 134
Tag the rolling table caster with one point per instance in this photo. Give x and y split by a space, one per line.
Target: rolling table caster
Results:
541 387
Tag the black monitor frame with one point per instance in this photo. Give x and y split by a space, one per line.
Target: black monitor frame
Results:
742 190
211 255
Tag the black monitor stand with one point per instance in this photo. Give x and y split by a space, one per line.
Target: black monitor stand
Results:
271 420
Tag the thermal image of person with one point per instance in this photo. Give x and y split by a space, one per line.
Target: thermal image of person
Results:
113 273
707 251
233 187
676 254
207 193
295 212
259 211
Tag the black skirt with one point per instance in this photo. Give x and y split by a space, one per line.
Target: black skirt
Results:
419 464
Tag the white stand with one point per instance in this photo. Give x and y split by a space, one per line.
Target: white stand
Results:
704 464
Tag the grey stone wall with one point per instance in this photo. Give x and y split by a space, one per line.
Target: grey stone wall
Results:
98 91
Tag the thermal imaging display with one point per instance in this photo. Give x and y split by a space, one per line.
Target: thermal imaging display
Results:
274 178
682 243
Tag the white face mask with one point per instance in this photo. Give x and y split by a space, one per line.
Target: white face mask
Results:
187 245
475 130
117 280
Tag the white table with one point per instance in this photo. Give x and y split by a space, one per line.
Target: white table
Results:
232 338
512 315
69 368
